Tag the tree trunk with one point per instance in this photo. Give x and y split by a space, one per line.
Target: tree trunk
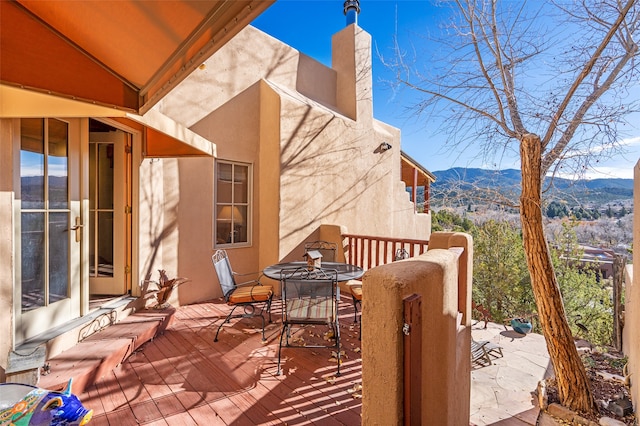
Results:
574 388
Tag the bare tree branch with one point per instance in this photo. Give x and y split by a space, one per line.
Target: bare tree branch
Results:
588 66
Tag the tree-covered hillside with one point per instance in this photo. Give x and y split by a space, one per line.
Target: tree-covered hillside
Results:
464 187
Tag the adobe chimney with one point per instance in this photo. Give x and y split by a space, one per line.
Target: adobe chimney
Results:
351 10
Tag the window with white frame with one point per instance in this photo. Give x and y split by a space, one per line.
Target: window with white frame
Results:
233 192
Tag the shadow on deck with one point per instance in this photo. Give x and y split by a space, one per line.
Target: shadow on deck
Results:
181 376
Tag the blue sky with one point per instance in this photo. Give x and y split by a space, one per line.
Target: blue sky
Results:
307 25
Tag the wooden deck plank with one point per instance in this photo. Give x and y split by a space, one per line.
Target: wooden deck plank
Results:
183 377
146 411
130 385
229 352
123 417
110 393
182 419
205 415
169 405
91 399
153 381
100 420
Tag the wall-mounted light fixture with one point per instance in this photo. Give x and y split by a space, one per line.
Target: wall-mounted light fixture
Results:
385 146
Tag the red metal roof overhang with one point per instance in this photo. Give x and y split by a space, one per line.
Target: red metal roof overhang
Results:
123 55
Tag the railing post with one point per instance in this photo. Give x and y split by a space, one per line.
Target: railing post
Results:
412 344
369 252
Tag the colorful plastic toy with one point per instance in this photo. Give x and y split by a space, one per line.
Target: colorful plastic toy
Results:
26 405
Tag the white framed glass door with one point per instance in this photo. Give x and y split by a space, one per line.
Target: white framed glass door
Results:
108 198
49 226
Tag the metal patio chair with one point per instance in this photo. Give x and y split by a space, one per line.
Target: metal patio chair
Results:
327 250
309 296
247 294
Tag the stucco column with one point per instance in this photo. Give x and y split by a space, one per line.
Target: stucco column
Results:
446 367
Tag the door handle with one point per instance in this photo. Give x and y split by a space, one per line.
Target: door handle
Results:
78 229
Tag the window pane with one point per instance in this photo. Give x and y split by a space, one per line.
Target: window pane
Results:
240 234
32 163
105 244
232 203
224 224
225 184
58 256
92 174
105 176
92 244
58 164
32 254
240 184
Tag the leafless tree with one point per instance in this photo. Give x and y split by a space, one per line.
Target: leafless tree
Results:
552 81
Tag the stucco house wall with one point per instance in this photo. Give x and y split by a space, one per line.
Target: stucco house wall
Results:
630 332
309 132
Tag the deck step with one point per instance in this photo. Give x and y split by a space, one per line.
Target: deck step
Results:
94 357
67 335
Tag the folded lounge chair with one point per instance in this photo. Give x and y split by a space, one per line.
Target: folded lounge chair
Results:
482 351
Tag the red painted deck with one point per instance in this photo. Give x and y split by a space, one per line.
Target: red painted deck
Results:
183 378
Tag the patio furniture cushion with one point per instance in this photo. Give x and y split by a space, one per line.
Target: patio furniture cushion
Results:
307 309
356 289
254 293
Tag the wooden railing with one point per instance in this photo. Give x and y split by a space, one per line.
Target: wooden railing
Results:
368 252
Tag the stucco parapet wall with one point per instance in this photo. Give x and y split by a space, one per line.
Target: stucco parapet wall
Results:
294 95
434 276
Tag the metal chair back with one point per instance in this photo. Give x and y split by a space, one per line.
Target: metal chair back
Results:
309 296
225 274
327 249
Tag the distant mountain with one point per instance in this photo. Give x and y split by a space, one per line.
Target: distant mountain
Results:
586 192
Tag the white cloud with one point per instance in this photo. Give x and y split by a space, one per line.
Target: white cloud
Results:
628 142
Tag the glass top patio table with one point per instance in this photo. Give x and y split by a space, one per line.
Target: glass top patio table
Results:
345 271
